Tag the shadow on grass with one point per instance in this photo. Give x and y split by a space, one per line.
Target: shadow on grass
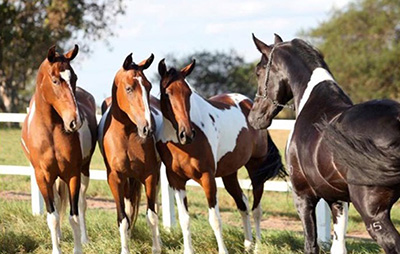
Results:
16 243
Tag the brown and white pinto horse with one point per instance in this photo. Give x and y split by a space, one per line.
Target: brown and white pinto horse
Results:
128 148
59 137
202 139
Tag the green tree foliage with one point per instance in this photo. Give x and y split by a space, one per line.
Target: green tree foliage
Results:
218 72
29 28
361 44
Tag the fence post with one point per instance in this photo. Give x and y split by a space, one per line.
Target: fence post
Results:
167 199
323 223
36 196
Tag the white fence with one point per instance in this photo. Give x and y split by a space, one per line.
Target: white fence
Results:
167 197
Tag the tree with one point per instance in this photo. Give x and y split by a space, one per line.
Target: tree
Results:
218 72
361 45
29 28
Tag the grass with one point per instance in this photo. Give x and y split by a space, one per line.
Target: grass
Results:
20 232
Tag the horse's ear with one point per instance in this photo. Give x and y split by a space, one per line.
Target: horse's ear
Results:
72 53
128 62
261 46
146 63
278 39
162 68
189 68
51 55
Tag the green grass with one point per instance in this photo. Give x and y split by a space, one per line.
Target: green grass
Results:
20 232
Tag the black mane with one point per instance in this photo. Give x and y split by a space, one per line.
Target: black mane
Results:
310 55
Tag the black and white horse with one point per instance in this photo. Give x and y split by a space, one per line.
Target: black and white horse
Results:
337 151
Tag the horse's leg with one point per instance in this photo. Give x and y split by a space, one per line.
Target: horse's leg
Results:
184 219
74 185
305 206
340 211
83 205
374 204
152 217
210 188
232 186
117 182
45 183
61 197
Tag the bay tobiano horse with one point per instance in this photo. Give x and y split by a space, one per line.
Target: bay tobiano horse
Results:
337 151
203 139
58 137
128 147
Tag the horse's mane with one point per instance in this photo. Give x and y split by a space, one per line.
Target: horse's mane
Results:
310 55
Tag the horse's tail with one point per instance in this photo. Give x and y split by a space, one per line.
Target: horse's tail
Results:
271 167
365 162
134 193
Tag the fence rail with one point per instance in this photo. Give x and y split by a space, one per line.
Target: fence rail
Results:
167 197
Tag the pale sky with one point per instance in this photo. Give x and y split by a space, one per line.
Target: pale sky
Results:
183 27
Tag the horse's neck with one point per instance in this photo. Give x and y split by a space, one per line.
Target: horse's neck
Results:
318 77
44 110
199 107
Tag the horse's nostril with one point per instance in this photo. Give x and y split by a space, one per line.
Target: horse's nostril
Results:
182 135
72 125
194 133
146 130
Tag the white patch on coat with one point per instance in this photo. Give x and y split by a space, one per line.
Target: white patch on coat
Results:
319 75
248 238
339 229
101 133
164 130
257 214
147 112
223 131
31 114
85 139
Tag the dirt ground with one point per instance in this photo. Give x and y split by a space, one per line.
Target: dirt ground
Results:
272 222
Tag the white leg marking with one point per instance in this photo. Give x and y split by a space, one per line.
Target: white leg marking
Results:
319 75
184 220
76 231
82 208
248 238
339 229
152 221
215 222
123 231
53 221
257 214
128 209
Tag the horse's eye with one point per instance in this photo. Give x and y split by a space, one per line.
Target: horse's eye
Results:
129 89
56 81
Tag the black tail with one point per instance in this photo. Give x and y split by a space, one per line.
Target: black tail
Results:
366 163
271 167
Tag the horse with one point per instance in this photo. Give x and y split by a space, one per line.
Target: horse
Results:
203 139
127 144
338 151
58 137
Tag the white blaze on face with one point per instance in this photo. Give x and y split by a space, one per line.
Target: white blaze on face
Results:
147 113
66 76
319 75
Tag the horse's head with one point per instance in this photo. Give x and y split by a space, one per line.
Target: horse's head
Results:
273 84
57 84
175 100
131 93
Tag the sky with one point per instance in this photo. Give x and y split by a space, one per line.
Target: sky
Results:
181 28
